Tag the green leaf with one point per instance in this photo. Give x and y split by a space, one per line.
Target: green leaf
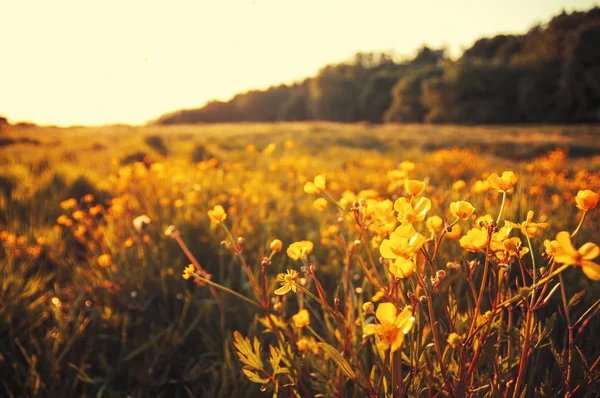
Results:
253 376
248 356
576 299
338 359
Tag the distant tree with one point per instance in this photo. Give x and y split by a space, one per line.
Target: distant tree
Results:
407 96
580 80
472 92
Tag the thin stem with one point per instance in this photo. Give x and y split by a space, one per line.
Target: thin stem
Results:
570 329
501 208
533 276
226 289
579 225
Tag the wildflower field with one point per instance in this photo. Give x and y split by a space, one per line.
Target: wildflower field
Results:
299 260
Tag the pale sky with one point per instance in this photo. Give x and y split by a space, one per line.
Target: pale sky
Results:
110 61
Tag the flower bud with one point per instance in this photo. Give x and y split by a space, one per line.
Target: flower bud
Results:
368 308
276 245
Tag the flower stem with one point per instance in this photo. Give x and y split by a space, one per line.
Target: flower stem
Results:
226 289
501 208
579 225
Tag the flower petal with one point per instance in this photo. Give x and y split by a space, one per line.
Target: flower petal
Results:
564 240
591 270
589 251
386 312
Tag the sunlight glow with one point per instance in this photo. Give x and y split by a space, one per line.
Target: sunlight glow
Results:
84 62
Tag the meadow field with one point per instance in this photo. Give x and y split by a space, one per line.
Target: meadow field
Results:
299 260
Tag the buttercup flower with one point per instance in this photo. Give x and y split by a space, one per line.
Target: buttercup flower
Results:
400 248
414 187
475 240
462 209
408 214
188 272
316 186
68 204
434 224
301 319
320 204
528 227
504 183
301 249
565 253
217 214
587 200
105 260
276 245
287 282
392 327
459 185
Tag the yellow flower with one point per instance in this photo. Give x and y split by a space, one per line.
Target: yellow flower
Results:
551 247
498 238
320 204
587 200
475 240
504 183
269 149
407 166
566 254
459 185
302 345
287 282
250 148
480 187
89 198
454 232
217 214
401 246
301 249
455 340
68 204
414 187
64 220
462 209
188 272
409 214
289 144
315 186
276 245
391 328
434 224
511 248
301 319
105 260
368 307
140 223
78 215
527 227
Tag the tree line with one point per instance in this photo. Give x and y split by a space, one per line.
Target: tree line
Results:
551 74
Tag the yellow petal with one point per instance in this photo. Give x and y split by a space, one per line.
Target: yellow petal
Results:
369 329
591 270
402 268
589 251
283 290
402 206
564 240
386 312
386 249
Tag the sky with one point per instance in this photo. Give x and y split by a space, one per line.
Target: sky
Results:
83 62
